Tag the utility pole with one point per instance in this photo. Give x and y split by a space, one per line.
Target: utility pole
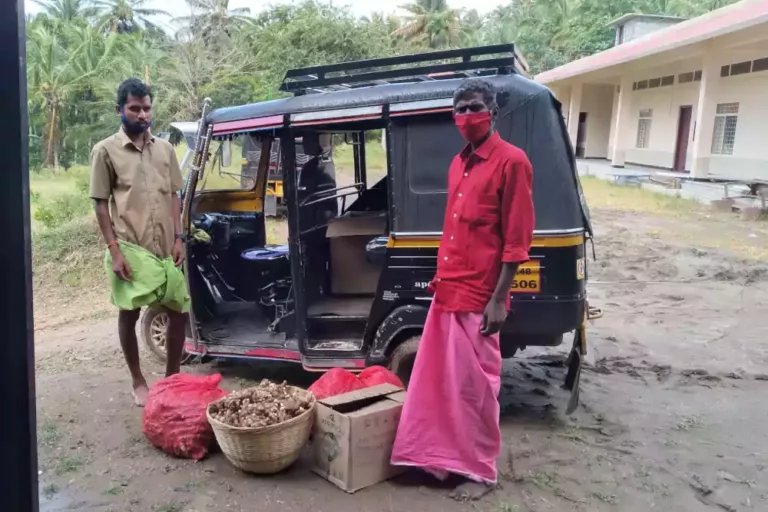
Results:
18 443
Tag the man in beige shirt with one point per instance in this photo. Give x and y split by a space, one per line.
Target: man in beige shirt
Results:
135 178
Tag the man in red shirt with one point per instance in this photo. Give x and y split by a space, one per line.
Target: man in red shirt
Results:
450 421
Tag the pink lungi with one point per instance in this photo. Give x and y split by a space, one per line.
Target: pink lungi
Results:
450 420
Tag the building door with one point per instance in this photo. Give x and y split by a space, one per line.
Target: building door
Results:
683 134
581 135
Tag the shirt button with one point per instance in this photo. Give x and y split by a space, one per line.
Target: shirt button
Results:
465 175
451 237
459 194
439 279
454 215
445 258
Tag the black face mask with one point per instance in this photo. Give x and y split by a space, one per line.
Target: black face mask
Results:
134 127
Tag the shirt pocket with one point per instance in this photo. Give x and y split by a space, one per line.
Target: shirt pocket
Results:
483 210
126 176
162 176
480 219
164 183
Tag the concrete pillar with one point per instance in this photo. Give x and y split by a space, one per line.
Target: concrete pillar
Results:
623 123
612 130
574 108
705 118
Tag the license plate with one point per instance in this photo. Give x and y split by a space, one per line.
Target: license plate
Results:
527 279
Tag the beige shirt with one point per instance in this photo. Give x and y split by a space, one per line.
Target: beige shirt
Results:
139 185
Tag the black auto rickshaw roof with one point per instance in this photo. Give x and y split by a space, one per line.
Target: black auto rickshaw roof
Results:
413 78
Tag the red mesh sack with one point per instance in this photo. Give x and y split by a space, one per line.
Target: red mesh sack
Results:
174 417
375 375
335 382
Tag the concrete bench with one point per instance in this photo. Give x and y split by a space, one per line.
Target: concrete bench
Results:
633 178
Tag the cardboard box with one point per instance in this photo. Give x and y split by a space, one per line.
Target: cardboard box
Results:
353 436
351 272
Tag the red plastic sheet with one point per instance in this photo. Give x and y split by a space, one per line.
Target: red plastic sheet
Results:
339 381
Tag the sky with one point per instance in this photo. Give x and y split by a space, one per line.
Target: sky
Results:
179 8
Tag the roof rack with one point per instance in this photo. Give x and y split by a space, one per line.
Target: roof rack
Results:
440 65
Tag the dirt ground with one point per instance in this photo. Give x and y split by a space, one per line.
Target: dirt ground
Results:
672 418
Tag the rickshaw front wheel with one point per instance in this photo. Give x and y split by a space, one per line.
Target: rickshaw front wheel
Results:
403 357
154 323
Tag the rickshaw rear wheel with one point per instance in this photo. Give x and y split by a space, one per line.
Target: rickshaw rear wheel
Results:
154 322
403 357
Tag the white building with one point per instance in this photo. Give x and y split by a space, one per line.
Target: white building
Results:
689 96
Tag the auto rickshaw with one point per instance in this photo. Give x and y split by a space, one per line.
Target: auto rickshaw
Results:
349 289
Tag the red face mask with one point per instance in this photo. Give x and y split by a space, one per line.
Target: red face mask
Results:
473 126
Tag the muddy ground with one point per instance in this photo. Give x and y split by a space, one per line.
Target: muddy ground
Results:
673 411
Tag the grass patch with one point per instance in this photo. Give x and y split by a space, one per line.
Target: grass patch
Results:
276 230
50 490
169 507
605 497
115 490
48 434
69 464
61 209
217 177
69 255
543 479
604 194
375 156
50 191
695 224
689 423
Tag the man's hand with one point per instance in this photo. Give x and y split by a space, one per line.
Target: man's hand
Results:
120 266
493 317
178 252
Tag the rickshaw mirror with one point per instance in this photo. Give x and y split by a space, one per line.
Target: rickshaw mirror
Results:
226 153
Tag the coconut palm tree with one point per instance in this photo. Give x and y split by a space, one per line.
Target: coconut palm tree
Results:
125 16
60 64
214 18
431 22
67 10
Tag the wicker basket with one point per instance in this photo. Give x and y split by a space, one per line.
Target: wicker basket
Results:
264 450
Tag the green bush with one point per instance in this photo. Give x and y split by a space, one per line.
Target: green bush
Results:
83 183
62 208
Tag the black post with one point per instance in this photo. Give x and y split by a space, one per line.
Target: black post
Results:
362 163
18 487
295 225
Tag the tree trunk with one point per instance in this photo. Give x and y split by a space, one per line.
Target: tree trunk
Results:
51 131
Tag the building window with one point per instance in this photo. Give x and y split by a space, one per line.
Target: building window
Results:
741 68
644 128
667 80
724 134
685 78
760 65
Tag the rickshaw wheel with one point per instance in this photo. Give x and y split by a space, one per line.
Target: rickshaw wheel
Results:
154 323
403 358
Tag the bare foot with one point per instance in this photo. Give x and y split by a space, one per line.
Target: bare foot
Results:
471 491
140 392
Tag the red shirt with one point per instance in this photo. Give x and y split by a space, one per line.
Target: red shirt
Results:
489 220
